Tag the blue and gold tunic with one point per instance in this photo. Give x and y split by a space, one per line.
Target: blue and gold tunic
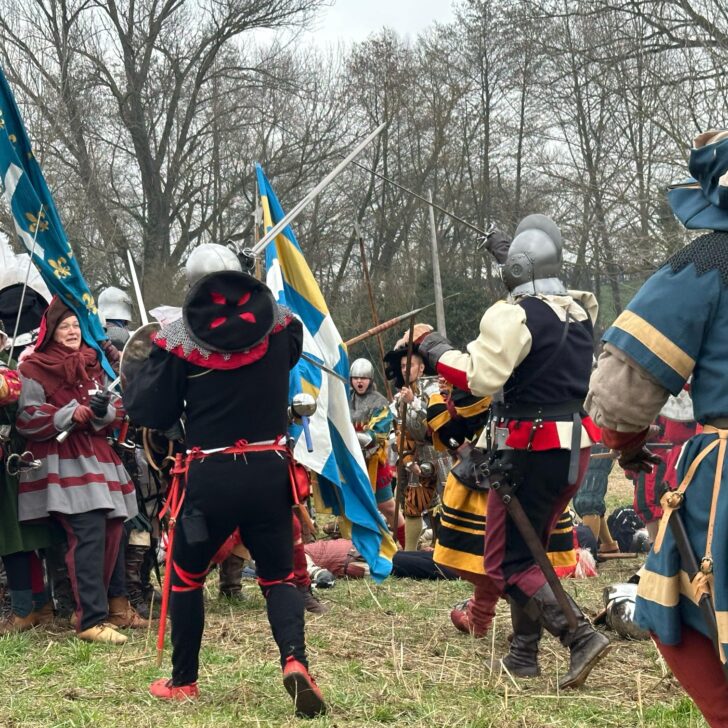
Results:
677 325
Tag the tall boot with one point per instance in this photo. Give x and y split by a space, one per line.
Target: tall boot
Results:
231 577
412 531
586 645
122 614
133 579
522 659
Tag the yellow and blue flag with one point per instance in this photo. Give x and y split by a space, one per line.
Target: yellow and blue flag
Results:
38 224
337 458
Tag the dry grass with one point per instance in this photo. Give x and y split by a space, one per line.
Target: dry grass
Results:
384 655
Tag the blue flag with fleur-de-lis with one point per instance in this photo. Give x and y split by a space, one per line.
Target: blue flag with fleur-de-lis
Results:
38 224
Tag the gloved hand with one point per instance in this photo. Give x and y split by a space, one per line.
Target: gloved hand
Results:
638 460
112 354
497 244
82 414
432 347
99 403
634 455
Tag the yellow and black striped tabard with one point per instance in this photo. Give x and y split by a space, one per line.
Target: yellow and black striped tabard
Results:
461 535
459 416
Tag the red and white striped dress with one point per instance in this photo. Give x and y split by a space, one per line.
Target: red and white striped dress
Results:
79 475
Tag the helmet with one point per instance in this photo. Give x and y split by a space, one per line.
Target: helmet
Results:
114 303
534 258
619 600
361 368
210 258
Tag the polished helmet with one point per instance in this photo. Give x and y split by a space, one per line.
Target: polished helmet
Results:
115 304
619 600
362 369
533 264
210 258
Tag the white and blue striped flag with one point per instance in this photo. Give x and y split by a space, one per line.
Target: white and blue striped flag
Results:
337 458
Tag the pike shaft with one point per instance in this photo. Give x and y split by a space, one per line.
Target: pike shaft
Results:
375 315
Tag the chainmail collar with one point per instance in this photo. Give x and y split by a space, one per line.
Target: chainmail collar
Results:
175 338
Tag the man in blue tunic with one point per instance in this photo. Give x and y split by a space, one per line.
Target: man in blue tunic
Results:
677 325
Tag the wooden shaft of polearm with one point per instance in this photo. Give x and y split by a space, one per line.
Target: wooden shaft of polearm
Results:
391 322
372 304
437 280
401 469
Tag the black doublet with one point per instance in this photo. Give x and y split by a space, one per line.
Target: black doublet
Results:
223 492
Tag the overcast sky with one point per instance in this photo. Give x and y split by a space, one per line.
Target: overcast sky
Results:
349 21
354 20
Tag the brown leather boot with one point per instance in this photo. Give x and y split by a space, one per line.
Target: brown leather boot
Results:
14 624
122 614
44 615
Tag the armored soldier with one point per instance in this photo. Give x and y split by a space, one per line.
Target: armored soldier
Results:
673 328
415 388
372 421
225 366
537 347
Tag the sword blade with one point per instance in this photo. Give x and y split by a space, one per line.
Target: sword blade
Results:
323 367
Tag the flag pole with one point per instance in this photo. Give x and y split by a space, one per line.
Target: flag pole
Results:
25 284
317 190
137 290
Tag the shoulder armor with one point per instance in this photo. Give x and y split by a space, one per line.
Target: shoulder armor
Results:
706 253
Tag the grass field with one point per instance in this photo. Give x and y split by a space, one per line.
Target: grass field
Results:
384 656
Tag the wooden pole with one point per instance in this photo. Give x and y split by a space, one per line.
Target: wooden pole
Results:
439 304
373 305
402 473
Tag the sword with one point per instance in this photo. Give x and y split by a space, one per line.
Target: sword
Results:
323 367
62 436
690 564
614 454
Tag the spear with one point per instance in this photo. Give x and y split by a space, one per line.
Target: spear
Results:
401 467
372 304
392 322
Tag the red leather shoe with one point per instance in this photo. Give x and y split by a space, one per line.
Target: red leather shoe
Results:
303 689
164 690
461 619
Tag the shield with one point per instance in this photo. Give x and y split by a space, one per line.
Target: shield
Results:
137 350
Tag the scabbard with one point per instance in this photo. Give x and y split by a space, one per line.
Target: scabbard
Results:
690 564
505 491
